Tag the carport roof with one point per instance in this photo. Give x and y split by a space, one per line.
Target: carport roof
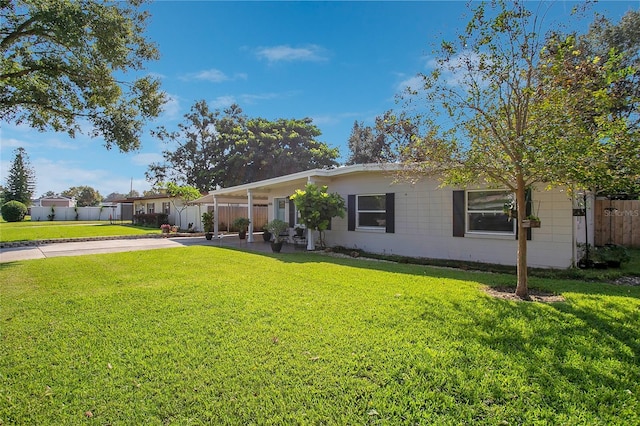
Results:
261 189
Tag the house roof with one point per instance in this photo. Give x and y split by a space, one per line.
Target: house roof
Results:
261 189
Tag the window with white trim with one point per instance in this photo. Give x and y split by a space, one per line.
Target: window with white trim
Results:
371 211
279 208
151 208
485 212
166 208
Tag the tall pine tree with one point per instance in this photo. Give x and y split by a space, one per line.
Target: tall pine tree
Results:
21 181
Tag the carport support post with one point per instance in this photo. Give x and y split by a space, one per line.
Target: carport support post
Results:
250 208
215 216
310 244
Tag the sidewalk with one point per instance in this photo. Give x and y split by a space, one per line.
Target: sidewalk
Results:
42 251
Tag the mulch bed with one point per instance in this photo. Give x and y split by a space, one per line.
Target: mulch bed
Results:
509 293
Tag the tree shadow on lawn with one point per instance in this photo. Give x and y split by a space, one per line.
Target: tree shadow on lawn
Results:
612 321
498 281
567 350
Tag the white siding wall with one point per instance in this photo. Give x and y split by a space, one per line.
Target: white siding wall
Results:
424 226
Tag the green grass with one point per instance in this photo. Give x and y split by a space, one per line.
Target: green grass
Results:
30 231
205 335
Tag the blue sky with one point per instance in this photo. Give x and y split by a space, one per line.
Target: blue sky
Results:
335 62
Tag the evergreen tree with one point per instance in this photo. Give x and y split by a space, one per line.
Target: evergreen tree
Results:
21 181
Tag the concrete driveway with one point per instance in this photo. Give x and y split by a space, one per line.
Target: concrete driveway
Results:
114 246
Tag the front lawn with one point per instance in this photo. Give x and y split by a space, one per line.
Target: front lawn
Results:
30 231
206 335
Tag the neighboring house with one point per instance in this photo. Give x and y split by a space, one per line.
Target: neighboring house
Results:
160 203
56 201
423 219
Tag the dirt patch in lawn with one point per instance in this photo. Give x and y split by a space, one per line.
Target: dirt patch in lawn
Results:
509 293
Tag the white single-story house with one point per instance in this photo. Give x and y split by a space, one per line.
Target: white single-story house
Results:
423 219
55 201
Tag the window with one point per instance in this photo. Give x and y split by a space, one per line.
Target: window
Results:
166 208
374 212
280 206
151 208
485 212
371 211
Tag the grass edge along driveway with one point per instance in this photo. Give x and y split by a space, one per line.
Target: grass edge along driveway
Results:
31 231
205 335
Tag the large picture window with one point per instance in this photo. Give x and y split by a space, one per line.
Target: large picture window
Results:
371 211
485 212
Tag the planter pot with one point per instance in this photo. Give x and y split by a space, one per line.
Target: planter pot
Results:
242 235
266 236
613 263
276 247
208 235
531 223
585 264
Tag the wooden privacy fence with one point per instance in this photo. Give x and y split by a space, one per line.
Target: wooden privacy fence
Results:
228 213
617 222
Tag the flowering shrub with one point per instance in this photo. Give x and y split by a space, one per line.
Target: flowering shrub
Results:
165 227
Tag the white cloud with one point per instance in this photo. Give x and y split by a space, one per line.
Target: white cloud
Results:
223 101
214 75
14 143
312 53
60 175
410 83
56 143
171 109
244 99
144 159
460 68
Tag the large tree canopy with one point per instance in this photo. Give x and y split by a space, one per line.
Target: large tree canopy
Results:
85 196
226 148
510 121
593 81
65 62
369 145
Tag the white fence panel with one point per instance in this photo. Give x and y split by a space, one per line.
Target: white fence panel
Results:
40 214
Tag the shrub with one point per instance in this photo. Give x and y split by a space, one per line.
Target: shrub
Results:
14 211
151 220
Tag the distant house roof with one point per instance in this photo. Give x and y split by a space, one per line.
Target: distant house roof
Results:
55 200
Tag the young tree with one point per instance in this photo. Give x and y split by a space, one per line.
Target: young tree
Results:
317 207
85 196
501 110
63 62
185 194
21 181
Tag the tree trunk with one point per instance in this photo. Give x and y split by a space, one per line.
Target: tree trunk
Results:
522 288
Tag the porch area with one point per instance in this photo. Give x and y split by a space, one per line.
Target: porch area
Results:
257 245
